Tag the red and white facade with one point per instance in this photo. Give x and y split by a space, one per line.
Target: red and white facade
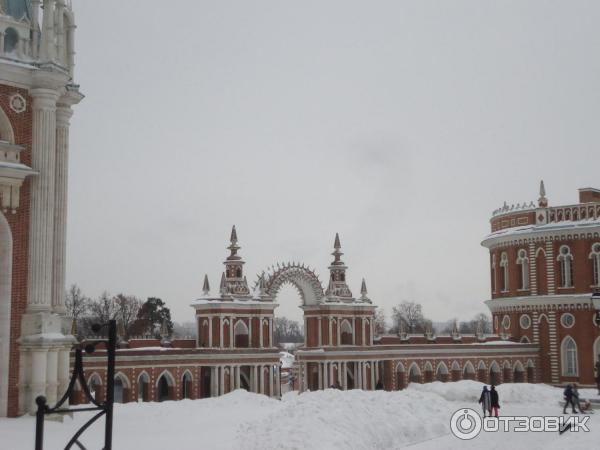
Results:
37 93
544 267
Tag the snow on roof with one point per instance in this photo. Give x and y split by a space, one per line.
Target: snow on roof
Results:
287 360
552 226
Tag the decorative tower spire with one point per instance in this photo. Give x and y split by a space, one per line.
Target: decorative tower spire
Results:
363 292
206 287
223 287
338 290
234 282
542 201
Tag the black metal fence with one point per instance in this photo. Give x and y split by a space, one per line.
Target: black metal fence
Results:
103 408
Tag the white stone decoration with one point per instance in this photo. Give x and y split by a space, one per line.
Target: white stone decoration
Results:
17 103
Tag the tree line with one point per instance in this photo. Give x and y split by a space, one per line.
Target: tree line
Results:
134 316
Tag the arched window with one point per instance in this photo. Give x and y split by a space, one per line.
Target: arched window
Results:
346 333
595 257
241 334
11 40
414 373
504 272
164 387
143 387
186 385
565 258
523 261
568 350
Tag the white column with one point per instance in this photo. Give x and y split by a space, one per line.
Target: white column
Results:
250 339
331 380
237 377
261 389
320 374
325 376
221 380
52 376
213 382
231 378
354 331
231 320
261 332
271 379
210 321
38 375
41 221
255 379
270 332
330 331
373 375
377 372
48 49
339 326
221 332
63 370
320 332
60 31
344 375
364 329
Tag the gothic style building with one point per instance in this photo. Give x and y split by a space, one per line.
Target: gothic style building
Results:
36 95
545 265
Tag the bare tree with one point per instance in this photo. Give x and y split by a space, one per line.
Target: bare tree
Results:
76 303
380 327
102 309
411 315
127 308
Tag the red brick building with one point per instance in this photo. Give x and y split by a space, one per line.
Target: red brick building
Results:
544 267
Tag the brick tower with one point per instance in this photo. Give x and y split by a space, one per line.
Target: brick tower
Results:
36 95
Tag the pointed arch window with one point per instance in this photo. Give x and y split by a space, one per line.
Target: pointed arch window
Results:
504 272
565 258
523 262
568 350
595 257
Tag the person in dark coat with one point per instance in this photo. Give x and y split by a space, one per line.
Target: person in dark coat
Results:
495 401
486 401
379 386
569 399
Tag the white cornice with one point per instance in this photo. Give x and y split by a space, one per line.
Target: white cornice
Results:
536 302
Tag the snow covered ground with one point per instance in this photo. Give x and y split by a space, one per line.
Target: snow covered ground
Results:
418 417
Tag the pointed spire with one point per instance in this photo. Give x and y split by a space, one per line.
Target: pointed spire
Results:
223 286
337 254
363 287
542 201
206 286
233 246
74 327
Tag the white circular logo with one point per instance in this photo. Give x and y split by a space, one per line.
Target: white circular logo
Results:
17 103
465 424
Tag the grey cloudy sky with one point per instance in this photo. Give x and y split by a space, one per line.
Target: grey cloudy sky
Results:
401 125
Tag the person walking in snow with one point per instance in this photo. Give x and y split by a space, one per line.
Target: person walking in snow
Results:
576 396
495 401
569 399
486 401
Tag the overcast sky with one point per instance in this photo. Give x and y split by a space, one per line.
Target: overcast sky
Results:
400 125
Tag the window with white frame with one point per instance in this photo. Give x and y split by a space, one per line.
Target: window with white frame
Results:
504 271
595 257
525 321
567 320
506 322
565 258
523 262
568 350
